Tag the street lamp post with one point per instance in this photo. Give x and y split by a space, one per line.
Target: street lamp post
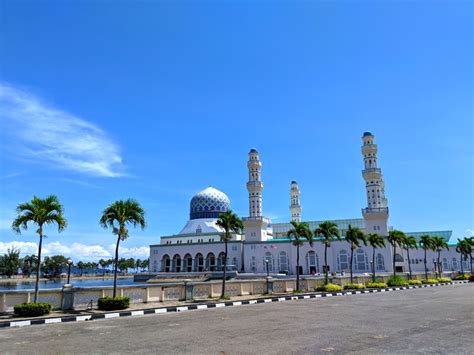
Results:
69 263
268 274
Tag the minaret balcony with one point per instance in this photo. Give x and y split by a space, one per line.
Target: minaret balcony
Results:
257 218
372 173
375 210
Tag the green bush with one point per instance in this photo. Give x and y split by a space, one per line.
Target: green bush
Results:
461 277
376 285
429 281
444 279
414 282
112 304
397 281
32 309
329 288
354 287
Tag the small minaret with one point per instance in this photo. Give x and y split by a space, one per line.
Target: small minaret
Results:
255 225
295 206
376 213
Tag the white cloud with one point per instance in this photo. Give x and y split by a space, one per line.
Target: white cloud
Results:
58 137
76 251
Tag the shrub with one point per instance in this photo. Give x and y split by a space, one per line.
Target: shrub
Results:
354 287
461 277
414 282
397 281
112 304
429 281
32 309
329 288
376 285
444 279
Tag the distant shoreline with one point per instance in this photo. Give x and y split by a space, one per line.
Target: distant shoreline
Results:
32 279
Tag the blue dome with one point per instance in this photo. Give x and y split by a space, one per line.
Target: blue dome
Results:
208 203
253 150
367 134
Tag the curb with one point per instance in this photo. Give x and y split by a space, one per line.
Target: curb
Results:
141 312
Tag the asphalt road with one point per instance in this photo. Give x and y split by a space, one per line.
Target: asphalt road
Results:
434 320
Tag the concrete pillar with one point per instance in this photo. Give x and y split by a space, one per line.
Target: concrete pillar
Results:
67 297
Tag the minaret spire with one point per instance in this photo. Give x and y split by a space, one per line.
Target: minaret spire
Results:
295 206
376 213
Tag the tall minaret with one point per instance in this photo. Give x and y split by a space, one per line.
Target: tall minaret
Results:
376 213
255 225
295 206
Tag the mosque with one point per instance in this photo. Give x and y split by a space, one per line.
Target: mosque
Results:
197 247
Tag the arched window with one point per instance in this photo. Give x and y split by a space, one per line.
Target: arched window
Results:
343 260
166 263
253 264
220 261
211 262
380 262
199 262
312 262
361 261
398 258
198 229
283 262
235 263
176 263
455 264
188 263
268 257
445 264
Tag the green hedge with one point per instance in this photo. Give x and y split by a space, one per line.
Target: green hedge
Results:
461 277
354 287
430 281
444 279
414 282
329 288
112 304
397 281
32 309
376 285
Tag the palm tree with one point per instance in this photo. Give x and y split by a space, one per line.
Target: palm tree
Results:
298 234
463 248
375 241
229 222
426 242
470 243
354 236
41 212
328 232
103 265
409 242
395 237
81 265
438 245
122 213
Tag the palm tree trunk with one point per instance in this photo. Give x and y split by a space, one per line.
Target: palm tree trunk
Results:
462 268
471 261
297 267
439 266
373 265
352 256
225 267
409 262
326 279
115 266
426 268
39 264
394 253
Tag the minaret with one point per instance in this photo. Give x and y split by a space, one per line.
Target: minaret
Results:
295 206
376 213
255 225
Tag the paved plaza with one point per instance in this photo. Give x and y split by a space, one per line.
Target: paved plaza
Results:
438 320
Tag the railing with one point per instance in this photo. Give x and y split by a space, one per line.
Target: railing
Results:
260 218
375 210
371 170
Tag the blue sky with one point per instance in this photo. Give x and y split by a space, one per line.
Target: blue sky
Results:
157 100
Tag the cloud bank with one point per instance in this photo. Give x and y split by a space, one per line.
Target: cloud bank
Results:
57 137
76 251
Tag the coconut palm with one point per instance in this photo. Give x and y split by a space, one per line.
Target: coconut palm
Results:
354 236
375 241
426 242
463 248
438 245
41 212
229 222
328 232
117 216
298 234
470 242
409 242
395 237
